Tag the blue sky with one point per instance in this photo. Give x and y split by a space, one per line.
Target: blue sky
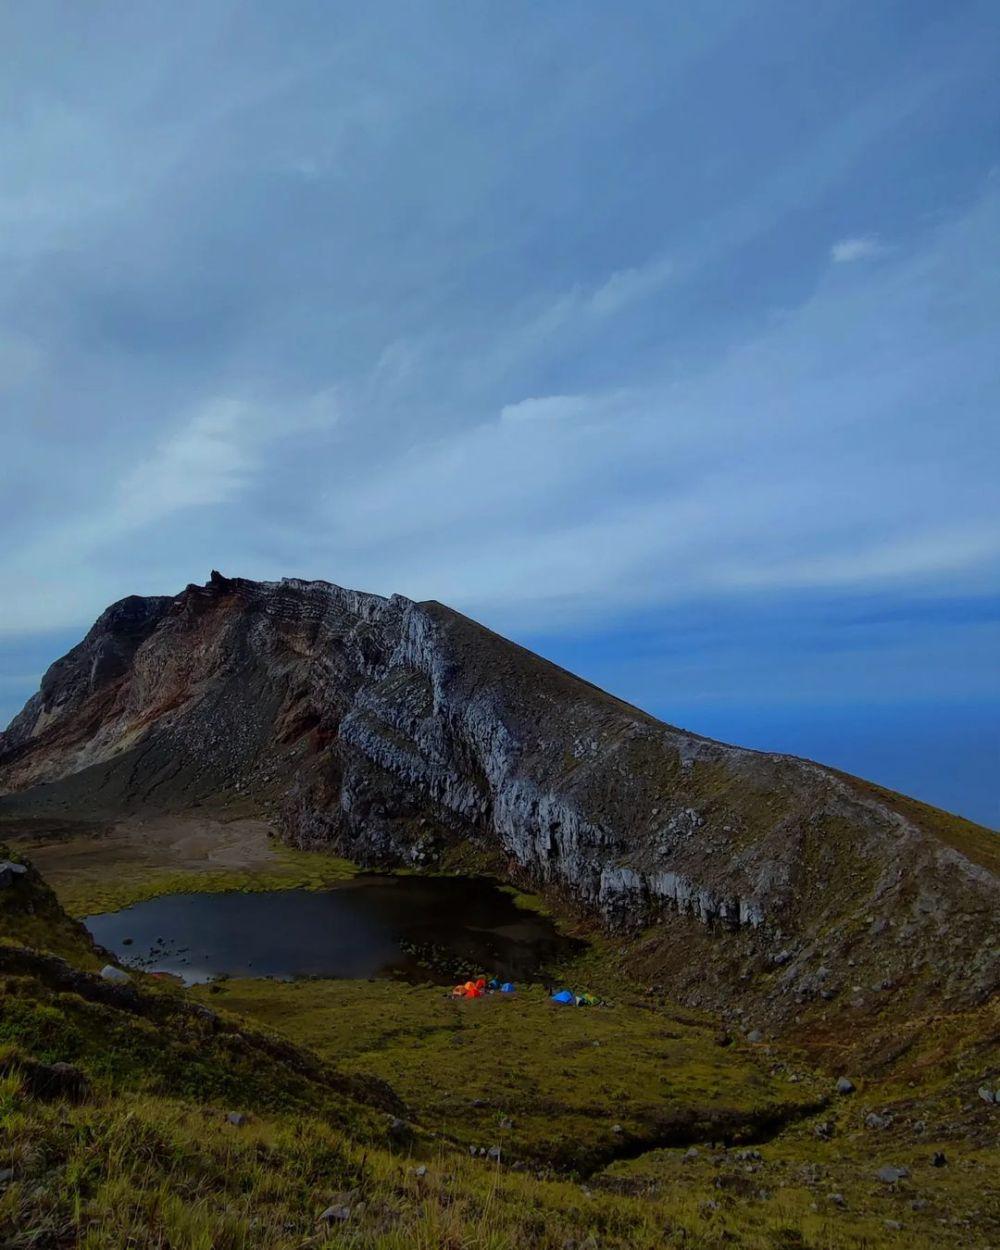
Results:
661 338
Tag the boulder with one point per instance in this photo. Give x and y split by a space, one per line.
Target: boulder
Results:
10 872
115 975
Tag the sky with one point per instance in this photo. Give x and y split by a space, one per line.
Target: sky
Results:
661 338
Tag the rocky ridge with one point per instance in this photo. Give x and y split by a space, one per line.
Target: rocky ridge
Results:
395 731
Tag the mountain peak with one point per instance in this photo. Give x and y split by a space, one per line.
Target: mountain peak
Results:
397 732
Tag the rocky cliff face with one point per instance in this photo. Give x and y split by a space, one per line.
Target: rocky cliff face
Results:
395 730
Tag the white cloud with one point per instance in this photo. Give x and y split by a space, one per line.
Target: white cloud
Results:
862 247
560 408
628 286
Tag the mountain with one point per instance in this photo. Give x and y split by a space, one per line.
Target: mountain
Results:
403 733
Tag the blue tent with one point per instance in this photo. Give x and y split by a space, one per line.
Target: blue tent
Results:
564 996
507 987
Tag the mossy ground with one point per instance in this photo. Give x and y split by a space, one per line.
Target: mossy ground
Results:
292 869
551 1084
94 868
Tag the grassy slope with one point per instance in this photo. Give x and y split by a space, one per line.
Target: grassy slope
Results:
149 1159
550 1084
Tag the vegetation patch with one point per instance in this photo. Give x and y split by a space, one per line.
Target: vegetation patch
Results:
561 1086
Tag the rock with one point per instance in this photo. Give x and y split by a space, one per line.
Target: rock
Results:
335 1215
919 1204
782 957
506 1125
844 1086
237 1118
874 1120
473 1151
10 872
46 1081
722 1038
420 1171
889 1174
755 1036
893 1225
494 1153
617 1129
115 975
838 1200
824 1129
939 1159
986 1094
692 1153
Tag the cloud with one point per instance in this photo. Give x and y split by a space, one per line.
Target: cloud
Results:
561 408
863 247
627 286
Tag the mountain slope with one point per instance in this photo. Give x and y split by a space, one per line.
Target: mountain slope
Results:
397 731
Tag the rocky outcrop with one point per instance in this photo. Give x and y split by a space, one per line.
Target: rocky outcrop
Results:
393 730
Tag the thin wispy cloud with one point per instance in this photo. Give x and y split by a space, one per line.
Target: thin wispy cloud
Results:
863 247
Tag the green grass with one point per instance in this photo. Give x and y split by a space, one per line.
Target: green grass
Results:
552 1084
149 1160
89 893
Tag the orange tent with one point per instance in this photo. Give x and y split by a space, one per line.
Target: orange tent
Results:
470 989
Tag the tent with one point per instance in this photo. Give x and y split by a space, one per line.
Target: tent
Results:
507 987
564 996
471 989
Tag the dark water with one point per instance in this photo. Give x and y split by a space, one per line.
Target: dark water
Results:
421 928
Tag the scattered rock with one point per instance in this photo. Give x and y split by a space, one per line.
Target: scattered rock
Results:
115 975
754 1036
891 1174
838 1200
893 1225
692 1153
617 1129
986 1094
874 1120
844 1086
335 1215
782 957
237 1118
824 1129
494 1153
919 1204
420 1171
